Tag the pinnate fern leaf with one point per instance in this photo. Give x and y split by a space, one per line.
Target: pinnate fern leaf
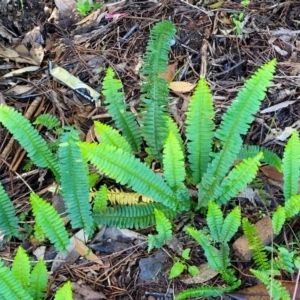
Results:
8 218
134 216
238 178
65 292
292 206
154 98
291 166
29 138
100 202
278 219
235 122
10 287
49 121
74 181
200 129
231 224
172 127
49 220
21 268
126 169
123 119
38 281
164 231
215 220
173 162
268 157
110 136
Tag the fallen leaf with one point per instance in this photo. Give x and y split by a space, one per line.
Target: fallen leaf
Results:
206 273
170 73
181 86
217 4
272 173
86 252
86 292
21 71
277 107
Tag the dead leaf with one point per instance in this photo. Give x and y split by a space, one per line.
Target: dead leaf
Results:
277 107
21 71
170 73
65 5
272 173
18 90
181 86
86 292
217 4
206 273
86 252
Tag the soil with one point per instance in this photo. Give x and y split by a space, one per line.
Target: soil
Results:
86 46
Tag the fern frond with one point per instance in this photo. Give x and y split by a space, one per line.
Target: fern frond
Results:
10 287
100 202
275 289
231 224
110 136
49 220
200 129
126 169
208 291
154 98
238 178
47 120
65 292
123 119
173 163
235 122
8 219
292 206
29 138
291 166
124 198
286 259
74 181
21 267
278 219
211 253
172 127
134 216
38 281
255 244
214 220
269 157
164 231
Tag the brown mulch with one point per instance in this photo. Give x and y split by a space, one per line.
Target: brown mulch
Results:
271 30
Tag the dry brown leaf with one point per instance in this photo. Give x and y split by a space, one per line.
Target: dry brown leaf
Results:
21 71
272 173
170 73
86 252
206 273
181 86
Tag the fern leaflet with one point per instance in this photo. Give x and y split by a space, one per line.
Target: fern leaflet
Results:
214 220
292 206
278 219
231 224
38 281
21 268
200 129
8 218
29 138
49 220
100 202
65 292
74 181
49 121
291 166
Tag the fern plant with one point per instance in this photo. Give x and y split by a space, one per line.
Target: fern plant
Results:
23 282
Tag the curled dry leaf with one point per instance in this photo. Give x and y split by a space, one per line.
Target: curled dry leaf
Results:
181 86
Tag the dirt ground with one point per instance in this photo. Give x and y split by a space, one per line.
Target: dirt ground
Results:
116 35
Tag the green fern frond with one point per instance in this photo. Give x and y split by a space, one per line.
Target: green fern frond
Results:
49 220
38 281
100 202
126 169
154 98
208 291
255 244
214 220
275 289
291 166
238 178
172 127
29 138
292 206
134 216
164 231
125 198
235 122
47 120
74 181
173 163
200 129
231 224
8 219
116 108
278 219
65 292
110 136
211 253
269 157
286 259
10 287
21 267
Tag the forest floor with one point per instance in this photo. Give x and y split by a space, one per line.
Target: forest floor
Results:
207 43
